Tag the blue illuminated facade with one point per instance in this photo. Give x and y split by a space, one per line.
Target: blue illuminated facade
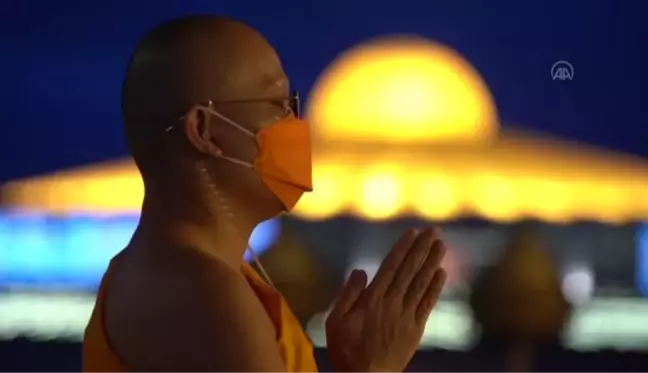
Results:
642 260
71 253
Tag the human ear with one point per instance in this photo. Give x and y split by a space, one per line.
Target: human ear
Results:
196 126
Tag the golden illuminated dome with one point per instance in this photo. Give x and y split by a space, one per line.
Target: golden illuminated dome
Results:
402 89
369 104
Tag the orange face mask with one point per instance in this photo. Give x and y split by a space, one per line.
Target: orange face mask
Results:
284 160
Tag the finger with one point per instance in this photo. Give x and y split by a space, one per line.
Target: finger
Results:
431 297
392 261
412 263
350 293
419 285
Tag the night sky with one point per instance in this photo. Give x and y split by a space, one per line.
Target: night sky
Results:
62 62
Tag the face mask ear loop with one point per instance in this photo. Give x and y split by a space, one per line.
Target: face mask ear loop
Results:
229 121
237 161
238 127
255 257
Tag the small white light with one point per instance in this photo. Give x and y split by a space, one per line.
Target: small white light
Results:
368 264
578 284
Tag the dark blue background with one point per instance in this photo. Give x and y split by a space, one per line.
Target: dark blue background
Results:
62 63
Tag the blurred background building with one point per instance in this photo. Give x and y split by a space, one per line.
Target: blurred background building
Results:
406 133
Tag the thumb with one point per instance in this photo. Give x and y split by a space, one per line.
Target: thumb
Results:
356 283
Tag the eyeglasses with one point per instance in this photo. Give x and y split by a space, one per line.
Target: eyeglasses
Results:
290 104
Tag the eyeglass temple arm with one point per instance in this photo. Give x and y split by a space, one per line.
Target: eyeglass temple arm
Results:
296 104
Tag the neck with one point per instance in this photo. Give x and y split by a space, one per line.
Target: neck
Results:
168 222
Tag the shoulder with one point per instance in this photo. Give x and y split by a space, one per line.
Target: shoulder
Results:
189 313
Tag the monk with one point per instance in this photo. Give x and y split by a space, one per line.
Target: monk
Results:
218 141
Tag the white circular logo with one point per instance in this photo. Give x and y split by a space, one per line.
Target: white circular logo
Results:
562 70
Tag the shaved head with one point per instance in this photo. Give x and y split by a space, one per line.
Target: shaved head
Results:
188 61
178 67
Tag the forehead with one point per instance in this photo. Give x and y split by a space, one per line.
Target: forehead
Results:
245 70
274 81
269 68
280 85
260 79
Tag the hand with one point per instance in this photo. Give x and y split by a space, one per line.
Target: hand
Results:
378 328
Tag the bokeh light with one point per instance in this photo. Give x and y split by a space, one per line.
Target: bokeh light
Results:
381 193
578 284
329 196
264 236
403 90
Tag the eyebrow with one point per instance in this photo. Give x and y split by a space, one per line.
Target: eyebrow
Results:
277 82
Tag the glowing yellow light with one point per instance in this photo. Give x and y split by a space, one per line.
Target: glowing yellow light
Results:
383 188
402 90
381 194
130 192
495 198
613 203
330 182
549 197
437 197
114 191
